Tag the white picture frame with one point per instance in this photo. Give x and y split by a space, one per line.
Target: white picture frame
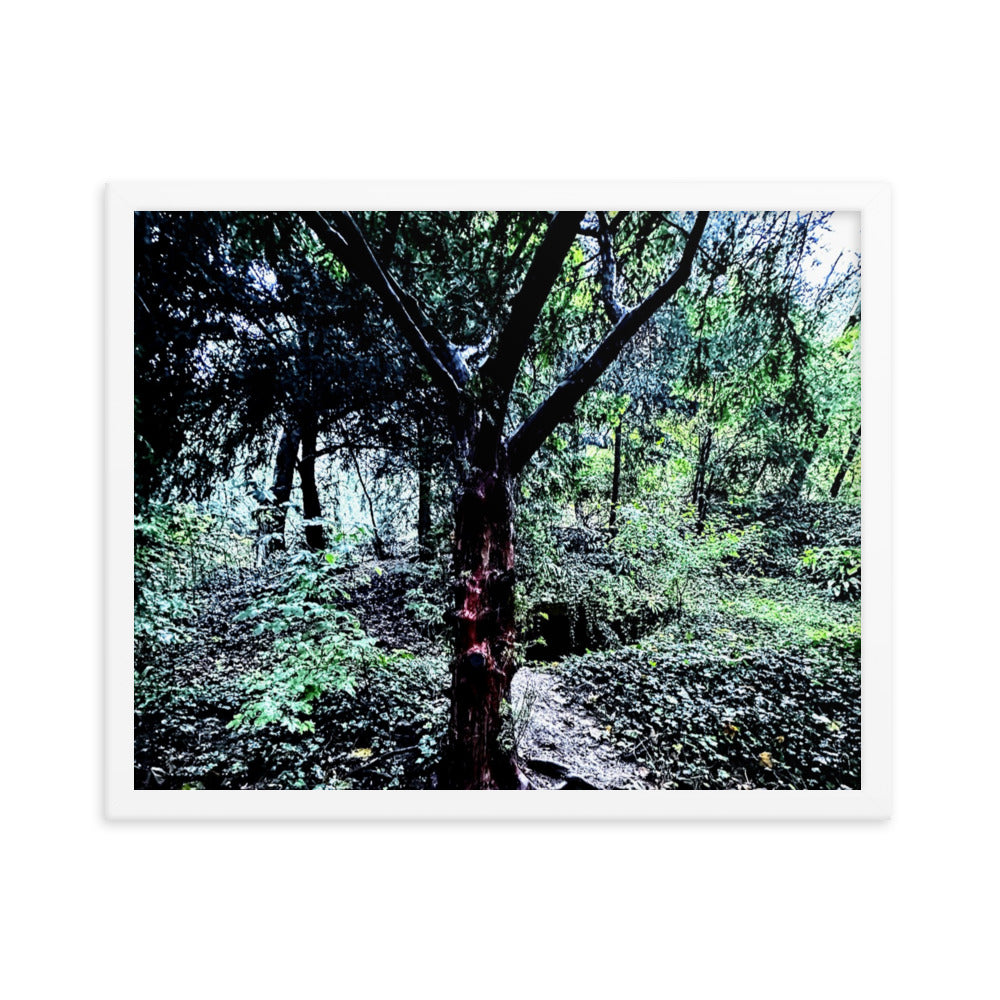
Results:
873 801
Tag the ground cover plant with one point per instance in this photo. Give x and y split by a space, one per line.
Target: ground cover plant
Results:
497 500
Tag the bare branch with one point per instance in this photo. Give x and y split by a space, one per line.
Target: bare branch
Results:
563 399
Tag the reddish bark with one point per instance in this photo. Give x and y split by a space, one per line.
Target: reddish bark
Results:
483 664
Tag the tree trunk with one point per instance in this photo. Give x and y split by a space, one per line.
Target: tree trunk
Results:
798 477
311 510
845 466
483 663
424 550
273 520
760 473
578 452
616 481
699 494
377 544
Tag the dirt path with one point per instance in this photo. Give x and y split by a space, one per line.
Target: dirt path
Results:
560 746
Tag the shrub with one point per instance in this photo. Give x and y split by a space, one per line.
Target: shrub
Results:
163 535
837 568
317 646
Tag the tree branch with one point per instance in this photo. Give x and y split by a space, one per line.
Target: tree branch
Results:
563 399
345 241
446 352
608 269
501 370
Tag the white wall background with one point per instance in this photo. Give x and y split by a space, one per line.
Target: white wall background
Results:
769 91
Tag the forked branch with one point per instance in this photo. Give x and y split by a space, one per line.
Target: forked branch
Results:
560 404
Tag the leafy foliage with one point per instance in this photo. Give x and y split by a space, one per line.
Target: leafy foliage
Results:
838 568
164 534
316 646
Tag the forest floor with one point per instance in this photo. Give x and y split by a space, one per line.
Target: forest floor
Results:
755 685
184 710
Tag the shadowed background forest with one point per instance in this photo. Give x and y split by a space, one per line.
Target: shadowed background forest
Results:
676 434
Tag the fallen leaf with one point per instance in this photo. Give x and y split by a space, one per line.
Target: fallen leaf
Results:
765 759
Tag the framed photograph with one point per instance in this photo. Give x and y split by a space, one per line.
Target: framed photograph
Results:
478 493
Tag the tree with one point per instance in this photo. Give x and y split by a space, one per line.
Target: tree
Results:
764 369
241 344
191 303
489 456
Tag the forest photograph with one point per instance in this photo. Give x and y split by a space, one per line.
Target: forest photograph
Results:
497 500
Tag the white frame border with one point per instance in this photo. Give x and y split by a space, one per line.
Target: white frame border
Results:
872 801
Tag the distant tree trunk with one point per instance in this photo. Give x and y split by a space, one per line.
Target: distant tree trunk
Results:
424 549
760 473
845 466
273 522
377 543
578 452
311 509
616 481
484 663
699 493
798 477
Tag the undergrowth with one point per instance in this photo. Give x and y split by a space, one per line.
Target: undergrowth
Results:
728 658
758 686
